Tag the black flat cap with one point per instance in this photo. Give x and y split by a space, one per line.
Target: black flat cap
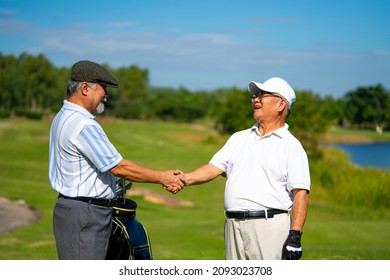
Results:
88 71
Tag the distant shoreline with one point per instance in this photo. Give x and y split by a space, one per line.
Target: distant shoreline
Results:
338 135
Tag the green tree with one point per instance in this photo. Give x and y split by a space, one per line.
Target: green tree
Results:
308 121
8 74
192 106
233 110
36 76
28 83
333 110
179 105
162 103
367 107
129 100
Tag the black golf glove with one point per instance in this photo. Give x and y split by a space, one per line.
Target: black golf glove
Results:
292 249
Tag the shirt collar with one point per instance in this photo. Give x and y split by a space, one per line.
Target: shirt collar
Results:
74 107
280 132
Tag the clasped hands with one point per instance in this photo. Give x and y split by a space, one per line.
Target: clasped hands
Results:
174 181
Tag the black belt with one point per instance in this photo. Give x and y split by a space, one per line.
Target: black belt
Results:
262 214
94 201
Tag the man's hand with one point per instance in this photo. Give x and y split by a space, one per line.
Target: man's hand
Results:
173 181
292 249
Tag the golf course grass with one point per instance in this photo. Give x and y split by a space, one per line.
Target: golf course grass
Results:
348 215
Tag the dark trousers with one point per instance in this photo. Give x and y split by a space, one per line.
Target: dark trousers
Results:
81 230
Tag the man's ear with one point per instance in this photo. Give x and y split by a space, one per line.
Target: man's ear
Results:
282 105
84 88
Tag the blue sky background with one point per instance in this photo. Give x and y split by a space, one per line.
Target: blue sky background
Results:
328 47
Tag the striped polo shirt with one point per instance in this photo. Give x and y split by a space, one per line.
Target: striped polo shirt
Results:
81 155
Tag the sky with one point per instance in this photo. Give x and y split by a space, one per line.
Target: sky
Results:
327 47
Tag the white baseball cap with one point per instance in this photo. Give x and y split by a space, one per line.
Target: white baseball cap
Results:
275 85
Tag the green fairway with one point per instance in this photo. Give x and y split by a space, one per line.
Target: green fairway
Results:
342 223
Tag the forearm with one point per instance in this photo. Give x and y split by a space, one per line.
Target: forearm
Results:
132 171
299 211
203 174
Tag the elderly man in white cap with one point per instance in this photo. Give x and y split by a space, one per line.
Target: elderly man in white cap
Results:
268 180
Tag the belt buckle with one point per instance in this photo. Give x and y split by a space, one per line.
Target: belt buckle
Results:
245 214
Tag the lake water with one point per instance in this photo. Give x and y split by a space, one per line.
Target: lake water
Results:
375 155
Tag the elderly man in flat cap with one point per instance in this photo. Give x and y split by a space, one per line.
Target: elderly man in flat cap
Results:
268 179
84 166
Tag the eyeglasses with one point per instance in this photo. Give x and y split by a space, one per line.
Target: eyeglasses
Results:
262 95
94 85
105 89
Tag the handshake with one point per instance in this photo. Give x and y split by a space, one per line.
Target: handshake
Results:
173 180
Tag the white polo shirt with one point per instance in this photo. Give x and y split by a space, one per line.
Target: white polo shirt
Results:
261 171
80 155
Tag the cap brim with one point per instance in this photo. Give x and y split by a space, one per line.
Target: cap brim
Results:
254 87
110 84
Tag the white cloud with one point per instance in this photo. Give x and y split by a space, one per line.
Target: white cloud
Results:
7 12
199 60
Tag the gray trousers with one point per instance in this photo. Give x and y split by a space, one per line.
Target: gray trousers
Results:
81 230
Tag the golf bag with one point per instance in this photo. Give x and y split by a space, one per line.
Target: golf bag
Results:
129 239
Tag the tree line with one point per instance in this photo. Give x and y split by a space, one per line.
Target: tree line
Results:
33 87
